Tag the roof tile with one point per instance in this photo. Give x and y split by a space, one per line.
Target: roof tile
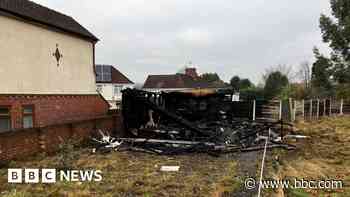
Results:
32 11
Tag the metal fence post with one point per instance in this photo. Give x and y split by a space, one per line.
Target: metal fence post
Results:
254 110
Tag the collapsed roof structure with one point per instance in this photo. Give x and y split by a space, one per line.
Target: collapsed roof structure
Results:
183 122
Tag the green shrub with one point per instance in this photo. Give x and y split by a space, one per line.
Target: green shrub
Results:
66 155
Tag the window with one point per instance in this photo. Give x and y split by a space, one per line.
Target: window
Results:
103 73
117 90
28 117
100 89
5 119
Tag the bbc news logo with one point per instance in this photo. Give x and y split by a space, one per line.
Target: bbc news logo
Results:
33 176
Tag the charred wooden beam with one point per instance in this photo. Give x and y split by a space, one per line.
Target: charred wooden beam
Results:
139 97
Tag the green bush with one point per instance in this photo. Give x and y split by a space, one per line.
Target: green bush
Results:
343 91
66 155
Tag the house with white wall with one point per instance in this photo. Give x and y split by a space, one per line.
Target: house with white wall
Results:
46 68
110 82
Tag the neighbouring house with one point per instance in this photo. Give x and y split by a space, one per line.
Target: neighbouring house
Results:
188 81
110 82
46 69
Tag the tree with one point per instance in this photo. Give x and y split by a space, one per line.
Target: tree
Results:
235 82
210 77
253 93
275 83
336 32
321 72
245 84
283 69
343 91
240 84
298 91
304 74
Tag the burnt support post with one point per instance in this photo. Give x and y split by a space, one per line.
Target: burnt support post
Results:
280 111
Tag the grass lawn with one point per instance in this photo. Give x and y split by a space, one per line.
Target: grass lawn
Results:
325 156
132 174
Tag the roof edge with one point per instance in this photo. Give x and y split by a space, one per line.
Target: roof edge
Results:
93 38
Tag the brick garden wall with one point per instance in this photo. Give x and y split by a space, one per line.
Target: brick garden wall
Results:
22 143
54 109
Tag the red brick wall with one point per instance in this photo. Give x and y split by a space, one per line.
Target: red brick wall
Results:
23 143
19 144
54 109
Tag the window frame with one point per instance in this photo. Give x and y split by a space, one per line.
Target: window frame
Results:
28 114
120 90
9 116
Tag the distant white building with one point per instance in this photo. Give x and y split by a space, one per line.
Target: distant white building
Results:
110 82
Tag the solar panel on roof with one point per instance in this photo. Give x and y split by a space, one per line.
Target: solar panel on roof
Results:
103 73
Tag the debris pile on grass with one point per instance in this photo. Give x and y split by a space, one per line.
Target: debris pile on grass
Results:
191 122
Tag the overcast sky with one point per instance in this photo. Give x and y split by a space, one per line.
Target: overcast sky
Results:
230 37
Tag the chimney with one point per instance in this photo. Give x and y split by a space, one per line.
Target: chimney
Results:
192 72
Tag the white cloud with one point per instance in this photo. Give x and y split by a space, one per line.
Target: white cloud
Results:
195 37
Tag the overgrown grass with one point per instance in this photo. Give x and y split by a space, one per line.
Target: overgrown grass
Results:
325 156
131 174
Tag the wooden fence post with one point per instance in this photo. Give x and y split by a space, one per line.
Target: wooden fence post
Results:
303 103
341 106
291 108
295 111
318 109
311 109
330 107
254 110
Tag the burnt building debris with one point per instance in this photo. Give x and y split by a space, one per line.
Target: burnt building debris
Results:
196 121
